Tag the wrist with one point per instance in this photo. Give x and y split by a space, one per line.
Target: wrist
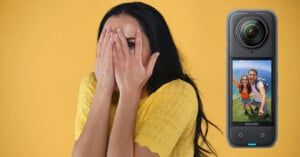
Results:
103 90
130 95
128 102
130 91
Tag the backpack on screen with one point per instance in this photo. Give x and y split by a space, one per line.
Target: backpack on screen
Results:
265 83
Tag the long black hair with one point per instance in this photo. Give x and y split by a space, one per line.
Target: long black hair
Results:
167 66
249 89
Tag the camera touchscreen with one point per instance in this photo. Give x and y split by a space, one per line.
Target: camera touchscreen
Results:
251 91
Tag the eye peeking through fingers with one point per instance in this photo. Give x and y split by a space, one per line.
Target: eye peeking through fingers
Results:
131 42
131 45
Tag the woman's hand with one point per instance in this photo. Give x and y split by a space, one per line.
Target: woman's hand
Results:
235 81
130 73
104 70
93 140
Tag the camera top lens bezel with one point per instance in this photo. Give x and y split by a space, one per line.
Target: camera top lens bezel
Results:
239 27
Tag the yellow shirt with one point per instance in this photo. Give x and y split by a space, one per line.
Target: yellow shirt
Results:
166 120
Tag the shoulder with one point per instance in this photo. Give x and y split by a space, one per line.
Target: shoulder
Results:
89 78
89 81
176 88
175 94
87 86
260 84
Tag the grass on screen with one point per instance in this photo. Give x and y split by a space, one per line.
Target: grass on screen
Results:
239 116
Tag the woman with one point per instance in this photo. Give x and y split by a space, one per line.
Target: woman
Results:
138 102
244 88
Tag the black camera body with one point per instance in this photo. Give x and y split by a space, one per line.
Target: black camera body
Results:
251 78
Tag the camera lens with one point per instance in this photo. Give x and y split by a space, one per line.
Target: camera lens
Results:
252 32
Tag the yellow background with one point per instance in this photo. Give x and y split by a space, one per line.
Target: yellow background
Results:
47 46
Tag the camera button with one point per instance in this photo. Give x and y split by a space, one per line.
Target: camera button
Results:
262 134
241 135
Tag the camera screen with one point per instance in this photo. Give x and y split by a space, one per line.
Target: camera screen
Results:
251 91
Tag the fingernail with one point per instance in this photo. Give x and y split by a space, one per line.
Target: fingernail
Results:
157 54
108 30
119 30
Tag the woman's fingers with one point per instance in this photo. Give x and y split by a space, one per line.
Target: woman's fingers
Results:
104 63
123 42
105 41
109 47
119 50
101 38
151 64
100 41
107 37
128 68
115 58
138 44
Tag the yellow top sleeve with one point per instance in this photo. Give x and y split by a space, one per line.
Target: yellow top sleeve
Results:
85 97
